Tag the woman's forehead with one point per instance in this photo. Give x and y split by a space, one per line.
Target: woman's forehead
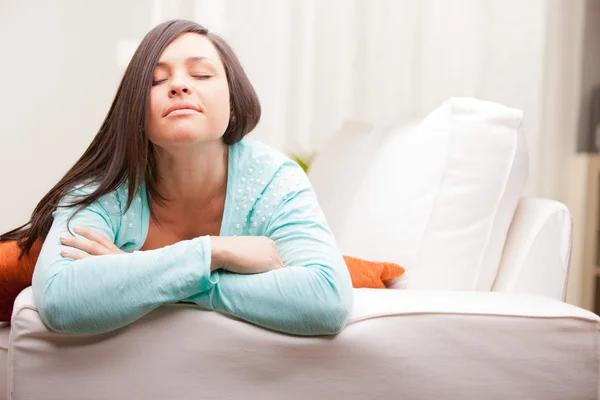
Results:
189 47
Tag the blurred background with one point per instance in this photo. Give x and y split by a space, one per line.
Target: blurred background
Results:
316 64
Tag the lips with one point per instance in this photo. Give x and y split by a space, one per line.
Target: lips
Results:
182 109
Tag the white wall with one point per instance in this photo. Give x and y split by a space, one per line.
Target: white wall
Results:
314 64
59 75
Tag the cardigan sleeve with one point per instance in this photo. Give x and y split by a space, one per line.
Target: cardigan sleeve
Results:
102 293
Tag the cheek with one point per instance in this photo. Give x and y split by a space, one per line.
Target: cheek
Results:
154 105
219 104
154 111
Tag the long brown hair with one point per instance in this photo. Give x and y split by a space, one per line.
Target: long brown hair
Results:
121 150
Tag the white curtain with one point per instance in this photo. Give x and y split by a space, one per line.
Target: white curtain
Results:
316 63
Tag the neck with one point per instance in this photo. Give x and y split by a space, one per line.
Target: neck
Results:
194 175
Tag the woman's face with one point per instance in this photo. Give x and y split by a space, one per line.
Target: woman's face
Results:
189 99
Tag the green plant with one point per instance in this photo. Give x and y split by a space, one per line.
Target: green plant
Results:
302 163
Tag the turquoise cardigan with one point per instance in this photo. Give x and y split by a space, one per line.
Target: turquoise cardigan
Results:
267 195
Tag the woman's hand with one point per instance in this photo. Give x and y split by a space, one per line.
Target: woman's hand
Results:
245 254
92 244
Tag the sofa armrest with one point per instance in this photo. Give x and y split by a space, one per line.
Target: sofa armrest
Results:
418 343
536 255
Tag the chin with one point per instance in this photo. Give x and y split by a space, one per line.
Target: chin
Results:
185 132
186 137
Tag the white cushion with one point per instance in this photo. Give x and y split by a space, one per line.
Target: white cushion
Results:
336 175
437 197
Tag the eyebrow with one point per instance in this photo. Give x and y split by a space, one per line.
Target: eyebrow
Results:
188 60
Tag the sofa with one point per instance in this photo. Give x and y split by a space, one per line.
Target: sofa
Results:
479 313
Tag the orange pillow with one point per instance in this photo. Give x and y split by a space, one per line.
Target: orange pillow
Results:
371 274
15 274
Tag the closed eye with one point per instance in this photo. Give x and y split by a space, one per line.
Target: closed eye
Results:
157 82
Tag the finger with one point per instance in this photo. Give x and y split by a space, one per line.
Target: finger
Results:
95 237
75 255
79 243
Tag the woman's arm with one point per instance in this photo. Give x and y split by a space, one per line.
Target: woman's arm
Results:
102 293
312 295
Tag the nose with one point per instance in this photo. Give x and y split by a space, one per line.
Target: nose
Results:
179 87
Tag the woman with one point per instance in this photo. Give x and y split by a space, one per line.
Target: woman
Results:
169 204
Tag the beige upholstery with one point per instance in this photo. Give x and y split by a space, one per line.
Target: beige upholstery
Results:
399 344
